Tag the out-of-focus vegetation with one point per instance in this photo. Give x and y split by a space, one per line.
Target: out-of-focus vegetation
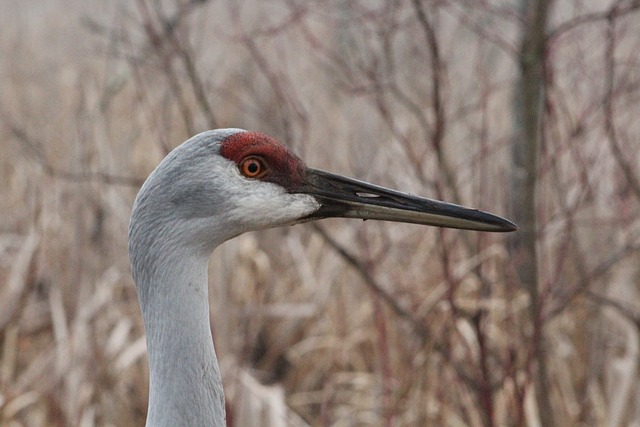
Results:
359 323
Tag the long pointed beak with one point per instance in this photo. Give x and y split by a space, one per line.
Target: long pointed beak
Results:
344 197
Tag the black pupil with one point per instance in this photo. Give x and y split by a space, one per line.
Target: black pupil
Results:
253 167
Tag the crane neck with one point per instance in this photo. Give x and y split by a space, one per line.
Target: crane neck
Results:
185 381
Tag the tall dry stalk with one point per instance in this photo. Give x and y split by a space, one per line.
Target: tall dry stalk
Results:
528 104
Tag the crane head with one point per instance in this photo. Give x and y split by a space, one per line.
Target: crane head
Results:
225 182
260 157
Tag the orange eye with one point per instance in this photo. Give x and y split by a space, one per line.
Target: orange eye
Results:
252 167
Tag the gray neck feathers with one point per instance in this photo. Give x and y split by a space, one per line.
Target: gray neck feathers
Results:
185 382
171 281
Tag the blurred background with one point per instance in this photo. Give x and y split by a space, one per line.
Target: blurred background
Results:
528 109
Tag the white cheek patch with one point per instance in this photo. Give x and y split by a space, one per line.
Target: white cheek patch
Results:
301 205
264 205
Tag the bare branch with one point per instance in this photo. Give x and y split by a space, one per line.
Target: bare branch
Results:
621 158
35 148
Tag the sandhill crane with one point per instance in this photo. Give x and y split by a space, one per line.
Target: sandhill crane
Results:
213 187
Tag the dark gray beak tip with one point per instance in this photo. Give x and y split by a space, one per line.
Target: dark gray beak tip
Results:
506 225
512 227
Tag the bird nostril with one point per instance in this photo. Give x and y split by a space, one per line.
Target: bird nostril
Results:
367 195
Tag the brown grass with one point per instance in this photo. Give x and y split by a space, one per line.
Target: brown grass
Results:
353 323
